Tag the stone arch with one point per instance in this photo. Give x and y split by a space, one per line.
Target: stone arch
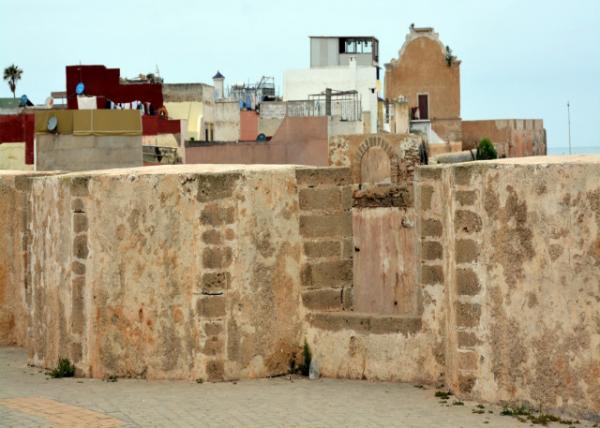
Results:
376 161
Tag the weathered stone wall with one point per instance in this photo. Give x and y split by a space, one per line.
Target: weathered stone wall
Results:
517 245
14 278
181 272
325 198
389 327
512 137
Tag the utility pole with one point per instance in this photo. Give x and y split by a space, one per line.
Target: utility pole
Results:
569 118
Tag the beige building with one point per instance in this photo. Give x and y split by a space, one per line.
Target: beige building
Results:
427 76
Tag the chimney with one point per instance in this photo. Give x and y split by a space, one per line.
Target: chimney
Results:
219 83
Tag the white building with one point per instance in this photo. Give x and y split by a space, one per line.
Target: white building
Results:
340 64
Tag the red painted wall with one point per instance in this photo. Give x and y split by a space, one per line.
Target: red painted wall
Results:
104 82
17 128
154 125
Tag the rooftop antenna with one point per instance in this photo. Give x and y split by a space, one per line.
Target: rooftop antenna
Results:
569 119
157 71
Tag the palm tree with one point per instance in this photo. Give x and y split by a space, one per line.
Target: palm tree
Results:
12 74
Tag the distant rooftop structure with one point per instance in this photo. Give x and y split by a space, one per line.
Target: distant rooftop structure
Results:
218 75
331 51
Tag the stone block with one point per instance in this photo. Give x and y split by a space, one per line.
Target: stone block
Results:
364 323
346 195
431 250
213 346
216 186
426 197
78 268
217 257
430 173
317 249
327 274
467 314
462 175
80 247
468 360
467 340
467 221
211 307
431 228
467 282
466 383
213 328
467 251
212 237
80 223
79 186
215 215
348 298
329 199
326 299
329 176
77 206
23 183
348 248
320 226
431 275
215 370
466 197
215 283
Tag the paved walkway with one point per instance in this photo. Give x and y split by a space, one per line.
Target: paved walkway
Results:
29 399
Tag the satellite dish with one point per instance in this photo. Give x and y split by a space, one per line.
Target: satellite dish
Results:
79 88
52 124
24 101
49 101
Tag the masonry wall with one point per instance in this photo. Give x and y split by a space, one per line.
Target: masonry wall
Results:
55 152
389 326
512 137
15 276
519 254
168 272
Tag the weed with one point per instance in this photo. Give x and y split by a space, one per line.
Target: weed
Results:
110 378
64 369
523 414
199 380
458 403
444 395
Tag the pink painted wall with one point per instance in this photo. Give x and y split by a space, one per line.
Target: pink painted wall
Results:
248 125
299 140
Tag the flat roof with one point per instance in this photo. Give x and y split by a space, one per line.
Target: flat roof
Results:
344 37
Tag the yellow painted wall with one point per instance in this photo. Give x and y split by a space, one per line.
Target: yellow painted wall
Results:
192 111
12 156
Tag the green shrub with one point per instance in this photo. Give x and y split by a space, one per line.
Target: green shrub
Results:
64 369
486 150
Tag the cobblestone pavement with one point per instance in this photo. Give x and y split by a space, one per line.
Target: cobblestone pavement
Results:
29 399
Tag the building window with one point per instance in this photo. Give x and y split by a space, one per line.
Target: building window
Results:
423 107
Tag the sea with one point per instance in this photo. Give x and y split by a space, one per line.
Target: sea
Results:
575 150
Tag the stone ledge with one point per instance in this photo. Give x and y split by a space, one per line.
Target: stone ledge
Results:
383 196
364 323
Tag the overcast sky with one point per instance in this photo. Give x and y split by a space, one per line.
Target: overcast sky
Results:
520 59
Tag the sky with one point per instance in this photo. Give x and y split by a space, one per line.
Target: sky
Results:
520 58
